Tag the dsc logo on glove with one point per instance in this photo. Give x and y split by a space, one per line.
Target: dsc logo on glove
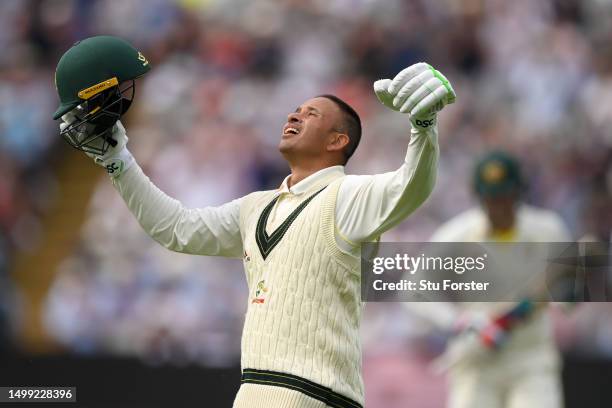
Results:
425 123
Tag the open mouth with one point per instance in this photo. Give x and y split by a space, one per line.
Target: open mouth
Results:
290 130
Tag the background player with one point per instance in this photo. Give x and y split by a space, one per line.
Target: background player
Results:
513 362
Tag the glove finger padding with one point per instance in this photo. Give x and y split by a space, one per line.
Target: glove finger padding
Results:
68 118
381 90
119 135
430 104
406 75
419 94
408 89
118 158
77 132
451 96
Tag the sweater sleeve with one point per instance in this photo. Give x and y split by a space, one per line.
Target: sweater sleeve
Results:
367 206
201 231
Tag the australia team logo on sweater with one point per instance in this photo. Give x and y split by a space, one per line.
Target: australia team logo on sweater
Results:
260 292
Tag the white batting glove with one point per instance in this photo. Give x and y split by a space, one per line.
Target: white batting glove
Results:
472 321
419 90
118 158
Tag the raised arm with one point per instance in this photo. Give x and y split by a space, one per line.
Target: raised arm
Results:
368 206
202 231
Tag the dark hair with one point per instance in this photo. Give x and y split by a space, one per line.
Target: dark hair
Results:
351 125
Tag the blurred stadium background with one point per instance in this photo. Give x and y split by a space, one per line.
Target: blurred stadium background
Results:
84 292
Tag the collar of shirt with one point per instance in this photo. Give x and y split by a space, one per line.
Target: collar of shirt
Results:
314 180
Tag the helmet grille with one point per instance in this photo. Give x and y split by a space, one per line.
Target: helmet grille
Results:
91 130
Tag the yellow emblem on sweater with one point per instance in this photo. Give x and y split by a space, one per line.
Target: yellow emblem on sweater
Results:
260 292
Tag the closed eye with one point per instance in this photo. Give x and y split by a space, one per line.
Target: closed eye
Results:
311 110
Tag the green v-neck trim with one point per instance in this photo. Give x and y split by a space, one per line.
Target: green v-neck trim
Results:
265 242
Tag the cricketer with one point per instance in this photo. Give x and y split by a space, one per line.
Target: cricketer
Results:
501 355
300 243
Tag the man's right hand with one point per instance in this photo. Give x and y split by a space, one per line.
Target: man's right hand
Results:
117 159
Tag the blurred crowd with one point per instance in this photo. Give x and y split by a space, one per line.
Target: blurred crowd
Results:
532 77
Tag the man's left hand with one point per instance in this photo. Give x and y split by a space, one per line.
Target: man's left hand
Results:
419 90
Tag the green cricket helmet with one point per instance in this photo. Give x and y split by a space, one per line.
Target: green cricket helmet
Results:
497 173
95 83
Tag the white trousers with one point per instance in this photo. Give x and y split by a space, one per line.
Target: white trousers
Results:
534 389
264 396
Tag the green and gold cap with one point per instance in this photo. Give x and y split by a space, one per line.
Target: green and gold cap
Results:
93 65
497 173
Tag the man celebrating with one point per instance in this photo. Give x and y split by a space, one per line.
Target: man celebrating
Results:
300 243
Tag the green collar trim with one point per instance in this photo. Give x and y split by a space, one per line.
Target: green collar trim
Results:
265 242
